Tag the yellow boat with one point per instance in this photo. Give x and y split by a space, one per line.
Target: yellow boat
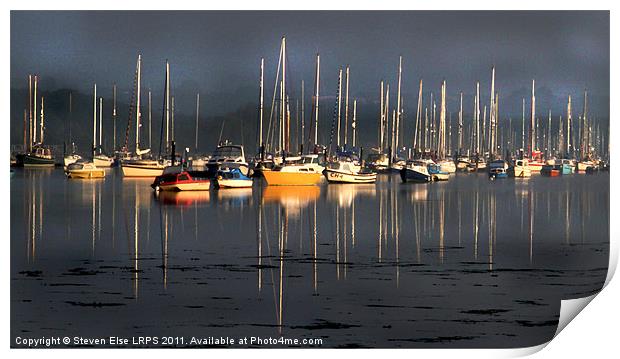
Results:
293 175
85 170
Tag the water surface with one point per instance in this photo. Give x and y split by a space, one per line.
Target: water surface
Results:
464 263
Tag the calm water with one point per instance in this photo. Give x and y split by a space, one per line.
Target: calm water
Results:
465 263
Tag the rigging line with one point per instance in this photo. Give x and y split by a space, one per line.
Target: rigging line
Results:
131 109
273 99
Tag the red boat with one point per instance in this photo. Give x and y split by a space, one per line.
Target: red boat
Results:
551 170
182 181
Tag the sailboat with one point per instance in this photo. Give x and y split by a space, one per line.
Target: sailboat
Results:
39 155
347 168
71 157
291 173
446 165
101 160
83 168
520 168
138 166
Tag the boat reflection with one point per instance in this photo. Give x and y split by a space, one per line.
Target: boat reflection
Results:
234 197
345 194
292 198
183 198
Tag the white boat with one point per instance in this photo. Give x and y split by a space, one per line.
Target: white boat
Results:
582 166
137 166
142 168
314 160
84 169
69 159
447 166
463 163
232 178
348 172
227 156
520 169
199 162
102 160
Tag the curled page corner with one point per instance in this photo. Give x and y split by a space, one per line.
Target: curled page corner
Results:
569 309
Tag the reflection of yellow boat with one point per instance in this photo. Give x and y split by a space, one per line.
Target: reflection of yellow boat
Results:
183 198
293 175
291 198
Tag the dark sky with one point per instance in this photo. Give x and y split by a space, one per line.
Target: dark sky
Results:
219 52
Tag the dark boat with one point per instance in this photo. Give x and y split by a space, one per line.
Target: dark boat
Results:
38 157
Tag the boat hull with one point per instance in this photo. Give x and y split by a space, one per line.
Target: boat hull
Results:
583 166
233 183
35 161
520 172
278 178
103 161
535 167
189 186
141 171
334 176
411 175
440 176
86 174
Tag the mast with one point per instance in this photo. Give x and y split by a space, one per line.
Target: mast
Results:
346 109
30 127
260 108
198 111
532 120
167 100
150 120
339 106
139 78
586 128
441 143
303 117
523 126
398 99
418 120
100 124
316 100
492 115
94 149
549 135
354 122
284 98
42 117
35 127
386 115
114 114
569 117
381 120
477 115
460 129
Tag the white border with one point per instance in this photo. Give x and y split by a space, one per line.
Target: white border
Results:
591 334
